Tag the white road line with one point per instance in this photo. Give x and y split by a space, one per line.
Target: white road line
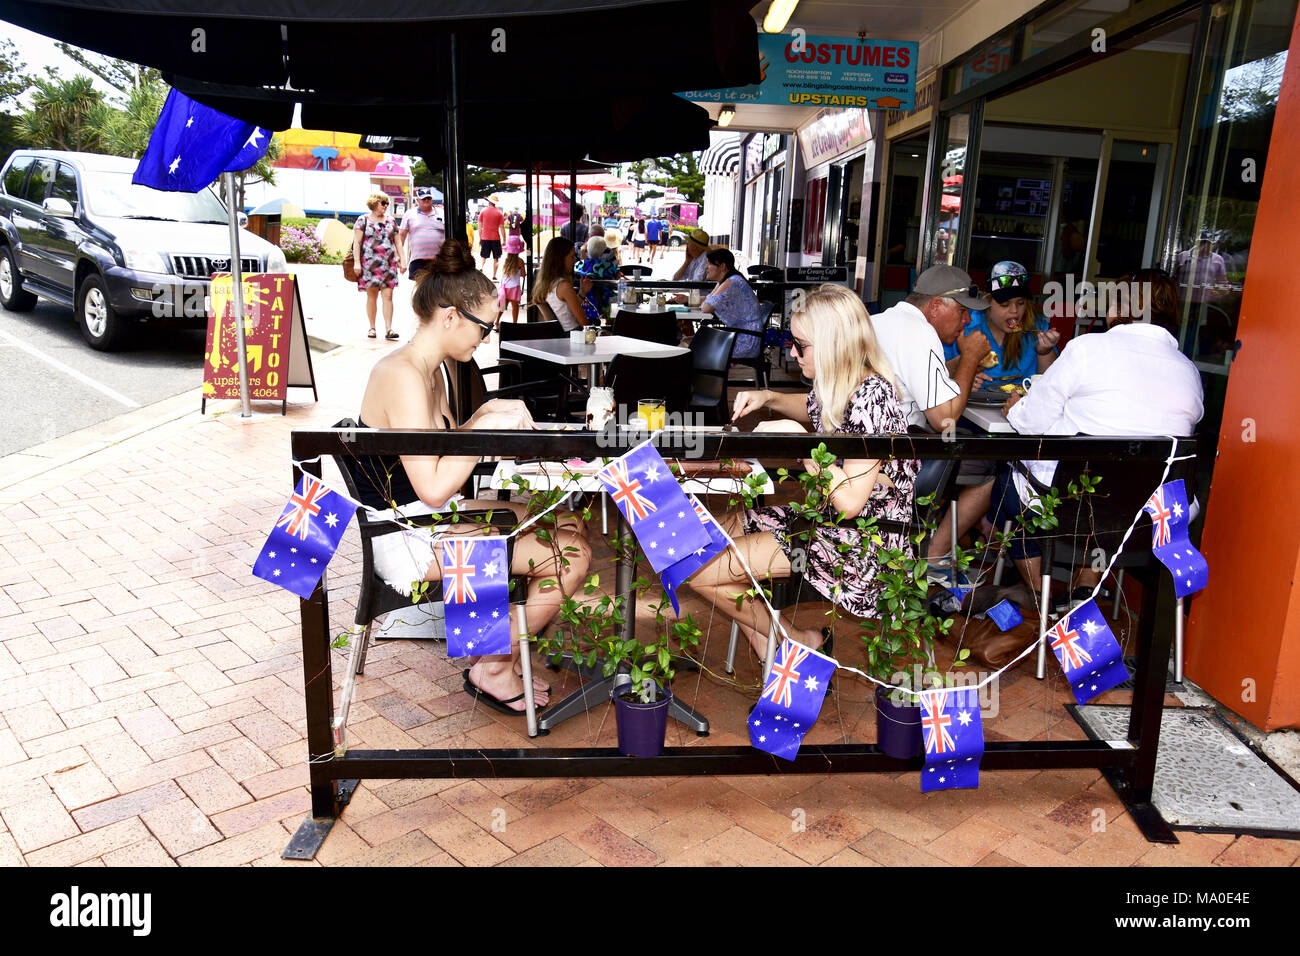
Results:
68 370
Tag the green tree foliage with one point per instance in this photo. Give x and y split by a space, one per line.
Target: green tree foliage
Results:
479 182
14 78
129 129
681 171
65 114
122 75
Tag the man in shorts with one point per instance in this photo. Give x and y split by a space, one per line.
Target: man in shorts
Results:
422 231
489 234
652 237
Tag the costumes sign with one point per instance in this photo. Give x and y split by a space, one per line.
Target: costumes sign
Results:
827 71
275 339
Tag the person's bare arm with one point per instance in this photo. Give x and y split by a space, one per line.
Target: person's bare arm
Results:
791 405
570 298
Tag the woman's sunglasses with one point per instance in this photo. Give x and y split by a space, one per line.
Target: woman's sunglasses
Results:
798 347
485 328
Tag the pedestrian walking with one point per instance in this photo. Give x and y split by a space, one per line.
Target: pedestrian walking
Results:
422 232
512 279
490 221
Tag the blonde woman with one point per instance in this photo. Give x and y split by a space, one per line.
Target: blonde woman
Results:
854 393
377 251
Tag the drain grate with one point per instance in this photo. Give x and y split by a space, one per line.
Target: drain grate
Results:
1206 777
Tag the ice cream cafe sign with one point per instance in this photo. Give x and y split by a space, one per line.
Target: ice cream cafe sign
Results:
827 71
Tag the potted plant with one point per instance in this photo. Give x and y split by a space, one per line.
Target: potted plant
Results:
592 632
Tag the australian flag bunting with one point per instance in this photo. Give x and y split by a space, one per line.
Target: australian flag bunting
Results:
1169 540
193 144
954 739
672 577
304 538
1089 654
791 700
476 595
657 510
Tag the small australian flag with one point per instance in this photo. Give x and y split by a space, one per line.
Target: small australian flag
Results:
476 595
304 538
791 700
1169 541
954 739
1088 652
657 510
673 577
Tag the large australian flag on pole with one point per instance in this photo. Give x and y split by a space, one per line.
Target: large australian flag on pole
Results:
954 739
304 538
657 510
792 699
1169 538
193 144
476 595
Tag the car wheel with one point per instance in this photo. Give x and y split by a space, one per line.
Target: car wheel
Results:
101 326
675 241
12 294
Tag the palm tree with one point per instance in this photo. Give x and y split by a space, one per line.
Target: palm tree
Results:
65 114
129 129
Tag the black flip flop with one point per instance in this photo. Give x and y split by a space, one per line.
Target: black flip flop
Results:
390 334
496 704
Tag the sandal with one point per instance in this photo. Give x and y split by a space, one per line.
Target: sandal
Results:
390 334
370 334
483 697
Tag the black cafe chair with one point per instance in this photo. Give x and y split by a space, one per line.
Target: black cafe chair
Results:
766 273
758 361
542 386
661 327
711 349
634 377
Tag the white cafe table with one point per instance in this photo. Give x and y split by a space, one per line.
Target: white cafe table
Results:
601 352
990 420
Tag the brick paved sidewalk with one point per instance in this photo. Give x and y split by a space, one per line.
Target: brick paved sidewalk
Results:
151 708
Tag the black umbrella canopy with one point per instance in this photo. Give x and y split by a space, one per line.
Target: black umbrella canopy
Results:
508 43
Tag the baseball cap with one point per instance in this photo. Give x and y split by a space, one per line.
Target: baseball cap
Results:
951 283
1008 280
423 192
698 236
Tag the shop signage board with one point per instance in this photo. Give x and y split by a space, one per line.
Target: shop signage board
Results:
816 274
830 71
925 98
275 339
833 132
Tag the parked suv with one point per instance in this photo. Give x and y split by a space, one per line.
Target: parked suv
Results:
75 230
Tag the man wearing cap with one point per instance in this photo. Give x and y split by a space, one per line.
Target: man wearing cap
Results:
912 334
692 267
422 231
489 234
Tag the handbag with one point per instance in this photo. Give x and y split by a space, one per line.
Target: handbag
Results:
350 263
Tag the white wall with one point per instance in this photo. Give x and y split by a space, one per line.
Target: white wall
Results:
315 189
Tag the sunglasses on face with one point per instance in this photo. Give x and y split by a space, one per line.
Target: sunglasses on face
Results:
798 347
485 328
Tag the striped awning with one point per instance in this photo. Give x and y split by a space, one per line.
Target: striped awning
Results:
722 159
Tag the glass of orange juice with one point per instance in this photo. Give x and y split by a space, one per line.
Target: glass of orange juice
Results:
653 411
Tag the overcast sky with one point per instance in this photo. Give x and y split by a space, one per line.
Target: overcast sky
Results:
39 51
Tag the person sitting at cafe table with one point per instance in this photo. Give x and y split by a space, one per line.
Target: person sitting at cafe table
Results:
733 301
1132 380
693 263
405 391
853 391
555 284
1021 345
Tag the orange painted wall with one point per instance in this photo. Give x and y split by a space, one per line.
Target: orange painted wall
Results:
1246 624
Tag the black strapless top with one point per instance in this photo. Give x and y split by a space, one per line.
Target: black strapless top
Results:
380 479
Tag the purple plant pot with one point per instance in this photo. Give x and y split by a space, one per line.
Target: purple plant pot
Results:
898 727
641 727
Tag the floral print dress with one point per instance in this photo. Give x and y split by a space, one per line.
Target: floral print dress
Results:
378 254
848 578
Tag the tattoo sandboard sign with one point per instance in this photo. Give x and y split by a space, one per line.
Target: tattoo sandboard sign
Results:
275 339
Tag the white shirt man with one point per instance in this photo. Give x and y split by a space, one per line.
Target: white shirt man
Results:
1131 380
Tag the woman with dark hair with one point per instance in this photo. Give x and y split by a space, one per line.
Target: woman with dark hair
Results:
454 303
555 284
732 301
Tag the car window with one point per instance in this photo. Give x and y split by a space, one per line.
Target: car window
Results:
15 175
65 184
42 174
